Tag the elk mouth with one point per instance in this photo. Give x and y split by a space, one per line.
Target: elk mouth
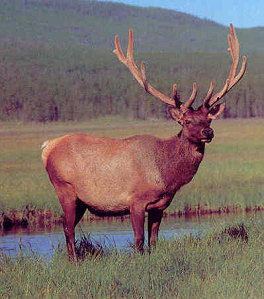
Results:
206 140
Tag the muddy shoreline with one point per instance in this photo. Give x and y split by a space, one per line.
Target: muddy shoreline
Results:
46 217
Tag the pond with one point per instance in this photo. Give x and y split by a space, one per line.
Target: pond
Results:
112 232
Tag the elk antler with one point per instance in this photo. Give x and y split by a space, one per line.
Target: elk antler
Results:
232 79
140 76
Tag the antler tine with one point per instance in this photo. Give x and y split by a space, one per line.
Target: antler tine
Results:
234 51
144 78
232 78
174 91
178 103
191 99
118 51
209 94
130 46
240 74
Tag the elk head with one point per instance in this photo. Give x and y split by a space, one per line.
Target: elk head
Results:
195 123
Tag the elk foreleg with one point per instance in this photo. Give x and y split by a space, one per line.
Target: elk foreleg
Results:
154 220
137 215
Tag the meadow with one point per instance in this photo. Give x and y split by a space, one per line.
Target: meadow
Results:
225 263
230 178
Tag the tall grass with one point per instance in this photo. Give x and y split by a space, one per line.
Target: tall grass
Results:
221 265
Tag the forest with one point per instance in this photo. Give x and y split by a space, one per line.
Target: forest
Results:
56 61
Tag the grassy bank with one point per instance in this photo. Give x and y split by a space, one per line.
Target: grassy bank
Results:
227 263
230 176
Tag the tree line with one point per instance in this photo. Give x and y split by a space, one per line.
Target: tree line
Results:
41 82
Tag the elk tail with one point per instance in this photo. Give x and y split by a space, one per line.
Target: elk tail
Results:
45 152
44 144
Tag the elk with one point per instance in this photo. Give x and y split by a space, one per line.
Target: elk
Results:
138 174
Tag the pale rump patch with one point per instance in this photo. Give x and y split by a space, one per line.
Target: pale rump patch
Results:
44 144
47 146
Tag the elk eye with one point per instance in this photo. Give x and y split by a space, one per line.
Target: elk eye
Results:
187 122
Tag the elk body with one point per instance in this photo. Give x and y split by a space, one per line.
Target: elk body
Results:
139 174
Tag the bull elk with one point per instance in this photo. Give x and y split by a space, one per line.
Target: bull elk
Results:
137 174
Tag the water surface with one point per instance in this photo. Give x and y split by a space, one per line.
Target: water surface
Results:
111 232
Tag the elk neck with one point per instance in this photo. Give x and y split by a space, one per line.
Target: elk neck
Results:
179 160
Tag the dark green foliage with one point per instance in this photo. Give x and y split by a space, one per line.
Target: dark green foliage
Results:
56 60
88 248
237 231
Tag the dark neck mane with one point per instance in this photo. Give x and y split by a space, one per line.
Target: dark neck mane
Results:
180 161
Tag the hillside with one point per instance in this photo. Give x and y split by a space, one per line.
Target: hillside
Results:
95 23
56 60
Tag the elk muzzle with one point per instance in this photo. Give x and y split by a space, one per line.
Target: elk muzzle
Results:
208 135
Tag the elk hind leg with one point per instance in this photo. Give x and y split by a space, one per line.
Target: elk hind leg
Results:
73 210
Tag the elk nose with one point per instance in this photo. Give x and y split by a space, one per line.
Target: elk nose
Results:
208 133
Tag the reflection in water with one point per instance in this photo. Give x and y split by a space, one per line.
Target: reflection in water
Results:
112 232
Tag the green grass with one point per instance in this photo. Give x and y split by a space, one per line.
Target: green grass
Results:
231 173
216 265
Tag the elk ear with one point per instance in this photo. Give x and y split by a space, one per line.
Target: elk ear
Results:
176 114
216 111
